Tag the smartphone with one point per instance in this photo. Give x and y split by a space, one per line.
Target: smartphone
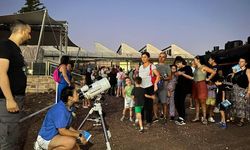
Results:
236 68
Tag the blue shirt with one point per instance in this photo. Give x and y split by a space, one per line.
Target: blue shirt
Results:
57 117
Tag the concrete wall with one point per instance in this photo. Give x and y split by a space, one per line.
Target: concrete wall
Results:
40 84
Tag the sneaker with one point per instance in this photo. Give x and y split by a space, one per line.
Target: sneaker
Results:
141 130
204 121
216 110
180 121
131 119
155 120
222 125
122 118
211 119
191 107
109 134
37 147
195 119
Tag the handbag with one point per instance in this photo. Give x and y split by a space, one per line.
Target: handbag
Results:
153 78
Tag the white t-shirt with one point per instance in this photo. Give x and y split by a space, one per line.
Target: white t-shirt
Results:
144 74
120 76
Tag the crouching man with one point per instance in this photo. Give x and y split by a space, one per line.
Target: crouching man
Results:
56 132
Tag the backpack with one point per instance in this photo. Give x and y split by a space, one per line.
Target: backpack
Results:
56 75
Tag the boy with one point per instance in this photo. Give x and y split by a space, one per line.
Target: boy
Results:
138 94
128 101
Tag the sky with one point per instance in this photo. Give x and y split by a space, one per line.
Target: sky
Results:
194 25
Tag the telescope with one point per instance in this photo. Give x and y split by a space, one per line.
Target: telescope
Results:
98 87
94 91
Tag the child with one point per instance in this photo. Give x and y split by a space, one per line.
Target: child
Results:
128 101
139 98
170 92
221 98
211 100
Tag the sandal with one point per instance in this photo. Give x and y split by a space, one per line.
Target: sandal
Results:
240 124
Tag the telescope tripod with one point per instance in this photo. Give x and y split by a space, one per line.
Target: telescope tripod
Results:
98 109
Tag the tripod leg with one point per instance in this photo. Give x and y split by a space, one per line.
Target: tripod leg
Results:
84 120
104 130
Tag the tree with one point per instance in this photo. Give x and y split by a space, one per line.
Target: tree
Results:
32 5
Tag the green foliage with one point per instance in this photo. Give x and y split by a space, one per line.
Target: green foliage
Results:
31 5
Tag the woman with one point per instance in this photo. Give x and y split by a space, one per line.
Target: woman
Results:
199 90
146 72
241 91
65 76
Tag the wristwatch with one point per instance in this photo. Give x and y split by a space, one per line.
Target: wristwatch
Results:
79 136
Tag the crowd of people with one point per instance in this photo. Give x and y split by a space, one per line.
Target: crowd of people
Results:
167 86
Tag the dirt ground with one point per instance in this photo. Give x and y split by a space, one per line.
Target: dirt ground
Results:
126 137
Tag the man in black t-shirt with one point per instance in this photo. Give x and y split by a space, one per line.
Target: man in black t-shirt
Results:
12 85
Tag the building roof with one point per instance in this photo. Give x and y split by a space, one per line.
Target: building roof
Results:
153 51
174 50
125 50
102 51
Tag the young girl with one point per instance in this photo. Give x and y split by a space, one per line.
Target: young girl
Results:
170 91
128 101
211 99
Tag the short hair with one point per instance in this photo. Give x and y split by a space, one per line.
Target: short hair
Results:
64 60
138 80
163 53
66 92
180 60
213 57
127 78
18 25
245 58
198 57
146 53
